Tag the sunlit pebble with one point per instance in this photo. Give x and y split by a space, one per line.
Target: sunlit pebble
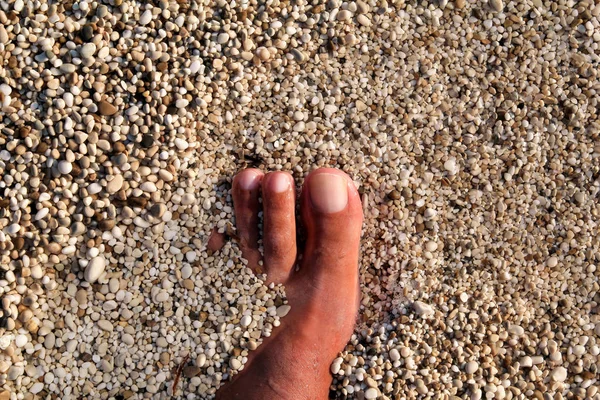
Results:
146 17
65 167
552 262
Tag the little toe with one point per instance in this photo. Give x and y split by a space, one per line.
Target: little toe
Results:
279 225
246 192
332 215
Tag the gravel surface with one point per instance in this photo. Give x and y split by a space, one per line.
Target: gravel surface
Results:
471 127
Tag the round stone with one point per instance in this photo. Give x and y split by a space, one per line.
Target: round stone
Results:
87 50
471 367
246 321
235 364
21 340
552 262
65 167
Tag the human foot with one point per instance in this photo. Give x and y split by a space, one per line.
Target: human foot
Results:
293 363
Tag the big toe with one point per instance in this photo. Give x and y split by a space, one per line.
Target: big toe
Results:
332 215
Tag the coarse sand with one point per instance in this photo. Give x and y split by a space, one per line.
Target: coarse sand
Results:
471 128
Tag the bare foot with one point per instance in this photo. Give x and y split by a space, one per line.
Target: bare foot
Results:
293 363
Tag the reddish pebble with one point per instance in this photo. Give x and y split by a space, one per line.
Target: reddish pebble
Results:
216 240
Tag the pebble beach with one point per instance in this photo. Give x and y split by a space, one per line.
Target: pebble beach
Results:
470 127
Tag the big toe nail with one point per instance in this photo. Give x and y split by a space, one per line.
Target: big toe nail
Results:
328 192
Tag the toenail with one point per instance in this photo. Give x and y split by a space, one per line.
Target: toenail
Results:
249 179
280 182
328 192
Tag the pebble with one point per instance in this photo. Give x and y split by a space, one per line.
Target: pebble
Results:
516 330
168 177
3 35
450 166
496 5
67 68
65 167
81 296
263 54
191 371
186 272
149 187
363 20
235 364
471 367
105 325
49 341
283 310
36 388
158 210
526 362
14 372
371 393
87 50
344 15
181 144
222 38
336 365
162 296
18 5
246 321
559 374
423 309
21 340
145 18
182 103
41 214
105 108
94 269
362 7
201 360
115 184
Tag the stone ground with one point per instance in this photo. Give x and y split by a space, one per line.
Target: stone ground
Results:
470 127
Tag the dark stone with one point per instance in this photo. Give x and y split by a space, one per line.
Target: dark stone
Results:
147 141
87 33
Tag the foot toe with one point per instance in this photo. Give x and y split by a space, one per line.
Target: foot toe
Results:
279 225
332 215
246 192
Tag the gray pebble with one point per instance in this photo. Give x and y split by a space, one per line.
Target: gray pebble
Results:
87 50
67 68
145 18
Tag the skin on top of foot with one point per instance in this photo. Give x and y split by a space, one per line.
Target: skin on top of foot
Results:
293 363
